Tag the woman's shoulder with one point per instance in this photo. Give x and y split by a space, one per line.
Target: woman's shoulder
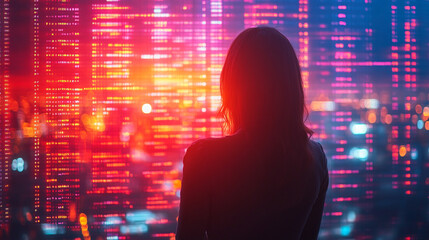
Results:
318 153
206 145
315 145
208 148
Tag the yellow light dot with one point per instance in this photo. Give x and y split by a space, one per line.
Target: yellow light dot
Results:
84 228
146 108
426 111
177 184
372 117
402 151
408 106
82 219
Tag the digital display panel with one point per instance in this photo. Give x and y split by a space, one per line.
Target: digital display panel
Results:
95 126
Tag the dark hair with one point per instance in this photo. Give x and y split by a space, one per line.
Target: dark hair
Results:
262 90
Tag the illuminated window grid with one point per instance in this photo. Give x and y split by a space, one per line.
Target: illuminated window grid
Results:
350 73
168 75
5 119
197 89
262 14
62 109
404 57
112 54
192 97
303 40
343 74
177 72
217 51
37 93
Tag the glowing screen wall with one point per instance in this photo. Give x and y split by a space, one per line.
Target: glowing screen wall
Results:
100 104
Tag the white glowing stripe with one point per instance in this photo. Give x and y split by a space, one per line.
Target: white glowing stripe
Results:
155 56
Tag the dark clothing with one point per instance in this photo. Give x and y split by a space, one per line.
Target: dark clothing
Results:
239 187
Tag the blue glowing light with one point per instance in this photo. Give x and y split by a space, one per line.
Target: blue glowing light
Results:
351 216
140 216
51 229
414 154
359 153
18 164
358 128
14 163
420 124
345 230
134 229
112 220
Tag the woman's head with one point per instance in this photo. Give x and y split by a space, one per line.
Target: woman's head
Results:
261 86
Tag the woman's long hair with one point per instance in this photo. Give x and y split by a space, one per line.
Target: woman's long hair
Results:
262 90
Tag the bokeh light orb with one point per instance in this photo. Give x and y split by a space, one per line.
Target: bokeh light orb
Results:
146 108
402 151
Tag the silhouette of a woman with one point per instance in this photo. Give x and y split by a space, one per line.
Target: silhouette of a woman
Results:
267 179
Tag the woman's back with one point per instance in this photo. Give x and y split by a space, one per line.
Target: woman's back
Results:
245 187
268 179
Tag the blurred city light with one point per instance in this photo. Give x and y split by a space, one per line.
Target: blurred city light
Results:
146 108
359 153
139 216
358 128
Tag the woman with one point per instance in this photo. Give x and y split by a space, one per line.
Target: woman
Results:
267 180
